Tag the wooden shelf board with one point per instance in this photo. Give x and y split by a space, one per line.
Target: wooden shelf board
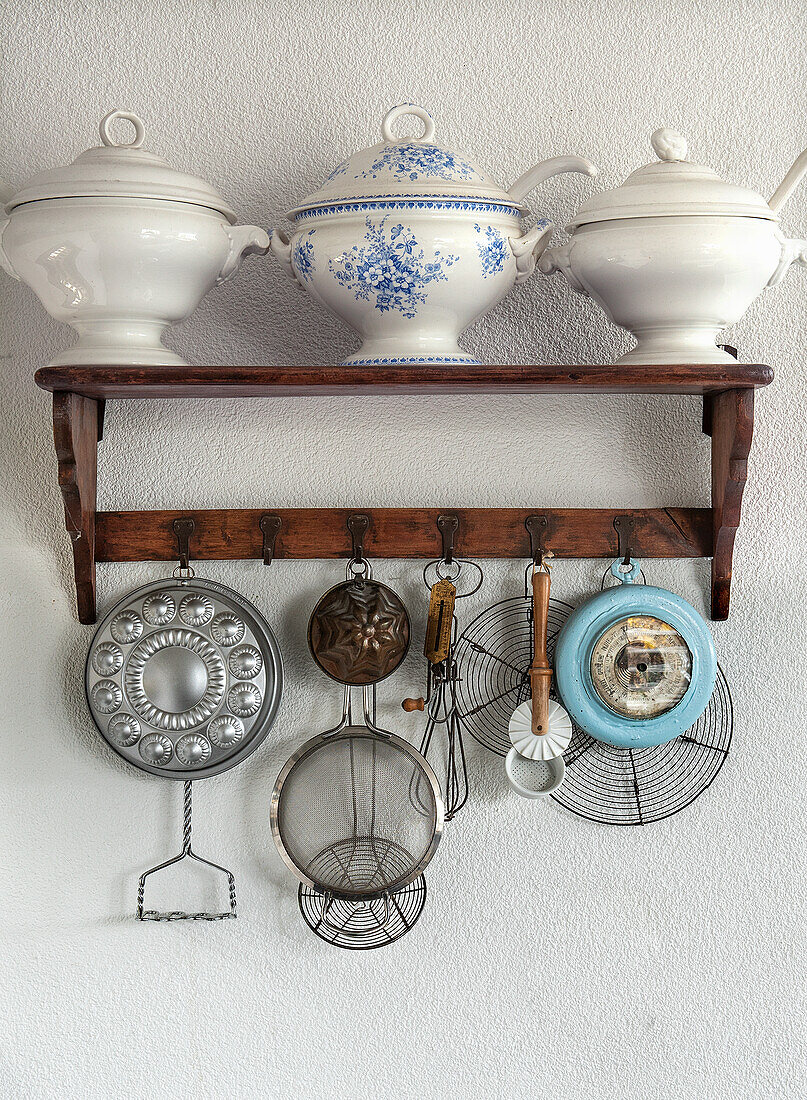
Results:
129 382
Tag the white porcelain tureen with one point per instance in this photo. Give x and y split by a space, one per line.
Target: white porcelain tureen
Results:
120 246
676 254
409 242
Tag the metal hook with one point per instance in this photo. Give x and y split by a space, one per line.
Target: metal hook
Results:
623 525
448 524
358 524
537 528
270 525
184 527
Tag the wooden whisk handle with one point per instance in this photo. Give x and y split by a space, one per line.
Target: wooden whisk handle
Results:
413 704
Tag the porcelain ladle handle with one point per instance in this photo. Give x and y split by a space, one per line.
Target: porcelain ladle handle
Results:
245 240
789 184
555 166
529 248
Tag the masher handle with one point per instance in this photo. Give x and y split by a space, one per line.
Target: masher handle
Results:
540 670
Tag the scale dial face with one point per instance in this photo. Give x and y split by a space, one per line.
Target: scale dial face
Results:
641 667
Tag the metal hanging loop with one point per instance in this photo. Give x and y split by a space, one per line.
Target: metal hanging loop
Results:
537 527
358 568
623 525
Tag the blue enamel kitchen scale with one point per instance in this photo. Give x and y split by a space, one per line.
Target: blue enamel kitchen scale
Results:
635 666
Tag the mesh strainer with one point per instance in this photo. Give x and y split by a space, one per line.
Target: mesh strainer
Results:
343 816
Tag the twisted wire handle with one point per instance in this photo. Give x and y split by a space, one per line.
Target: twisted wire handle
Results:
187 812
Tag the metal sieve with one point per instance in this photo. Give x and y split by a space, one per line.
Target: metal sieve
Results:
342 814
363 925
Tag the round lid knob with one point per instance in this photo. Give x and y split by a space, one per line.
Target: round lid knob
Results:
407 164
669 145
106 134
408 109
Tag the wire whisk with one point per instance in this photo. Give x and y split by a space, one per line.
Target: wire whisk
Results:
443 715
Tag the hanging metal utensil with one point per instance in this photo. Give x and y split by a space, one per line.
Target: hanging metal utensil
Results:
183 680
359 630
440 702
363 925
344 822
342 815
187 852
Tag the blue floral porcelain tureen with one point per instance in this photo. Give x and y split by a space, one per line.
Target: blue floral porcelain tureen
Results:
409 242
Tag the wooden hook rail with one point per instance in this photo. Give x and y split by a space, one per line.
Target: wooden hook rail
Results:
79 395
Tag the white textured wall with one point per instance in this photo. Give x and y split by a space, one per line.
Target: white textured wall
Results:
556 958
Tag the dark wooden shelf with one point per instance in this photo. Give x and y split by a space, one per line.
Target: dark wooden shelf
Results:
120 383
79 394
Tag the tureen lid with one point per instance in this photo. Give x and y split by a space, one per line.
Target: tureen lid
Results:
407 167
120 170
672 185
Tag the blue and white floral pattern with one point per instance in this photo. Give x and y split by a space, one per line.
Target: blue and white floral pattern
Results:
492 250
302 258
339 170
453 203
467 360
391 269
411 160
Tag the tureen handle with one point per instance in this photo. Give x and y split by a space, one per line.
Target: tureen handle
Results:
555 166
794 251
559 259
529 248
408 109
113 116
789 184
5 263
280 243
245 240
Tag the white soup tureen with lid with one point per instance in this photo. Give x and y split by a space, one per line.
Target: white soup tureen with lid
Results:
120 245
675 254
409 242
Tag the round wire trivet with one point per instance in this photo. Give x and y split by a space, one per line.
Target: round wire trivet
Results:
615 786
363 925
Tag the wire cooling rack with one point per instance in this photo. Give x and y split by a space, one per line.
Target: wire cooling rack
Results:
615 786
